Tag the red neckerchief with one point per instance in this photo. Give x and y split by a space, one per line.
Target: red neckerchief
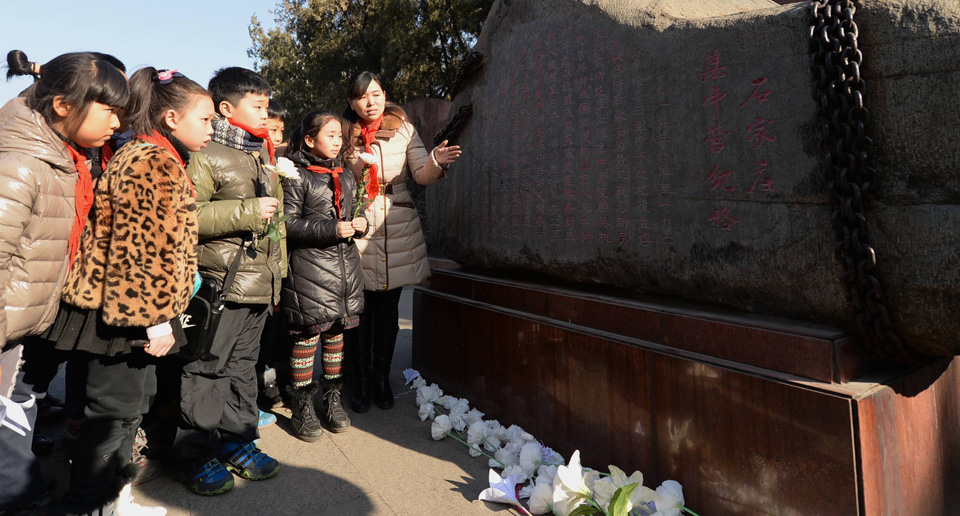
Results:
259 133
161 141
337 189
106 154
368 132
83 194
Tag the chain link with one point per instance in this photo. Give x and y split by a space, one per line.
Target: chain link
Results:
845 151
471 64
453 128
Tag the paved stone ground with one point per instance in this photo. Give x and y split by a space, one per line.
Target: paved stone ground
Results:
387 464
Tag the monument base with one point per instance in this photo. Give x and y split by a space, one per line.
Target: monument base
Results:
751 414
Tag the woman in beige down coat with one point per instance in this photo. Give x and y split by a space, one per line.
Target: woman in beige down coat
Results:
393 251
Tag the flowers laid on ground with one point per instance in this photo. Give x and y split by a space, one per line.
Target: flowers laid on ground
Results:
533 472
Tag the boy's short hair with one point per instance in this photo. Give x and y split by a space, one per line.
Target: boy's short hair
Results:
276 112
233 83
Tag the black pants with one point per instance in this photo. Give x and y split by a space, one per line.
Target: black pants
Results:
370 349
117 394
28 368
218 394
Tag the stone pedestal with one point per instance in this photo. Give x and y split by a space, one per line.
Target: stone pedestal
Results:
752 414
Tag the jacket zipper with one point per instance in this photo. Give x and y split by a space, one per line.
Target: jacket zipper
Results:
343 266
386 258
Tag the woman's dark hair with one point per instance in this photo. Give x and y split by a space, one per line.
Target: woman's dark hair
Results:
234 83
311 125
81 78
150 99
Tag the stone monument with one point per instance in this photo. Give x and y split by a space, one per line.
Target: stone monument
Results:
644 223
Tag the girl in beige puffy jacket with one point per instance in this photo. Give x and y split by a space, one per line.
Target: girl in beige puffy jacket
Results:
393 252
46 191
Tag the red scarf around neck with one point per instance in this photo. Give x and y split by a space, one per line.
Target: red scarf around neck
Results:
368 132
83 193
259 133
337 189
163 142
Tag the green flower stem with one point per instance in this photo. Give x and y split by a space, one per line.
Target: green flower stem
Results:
688 510
502 465
595 504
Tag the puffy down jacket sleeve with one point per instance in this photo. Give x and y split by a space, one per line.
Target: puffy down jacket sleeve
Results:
16 203
301 230
217 217
419 162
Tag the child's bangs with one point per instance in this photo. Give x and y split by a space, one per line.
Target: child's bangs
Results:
109 86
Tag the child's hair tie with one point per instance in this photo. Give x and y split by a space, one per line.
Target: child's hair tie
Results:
167 75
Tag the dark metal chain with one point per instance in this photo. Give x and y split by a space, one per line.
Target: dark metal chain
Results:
471 64
846 150
453 128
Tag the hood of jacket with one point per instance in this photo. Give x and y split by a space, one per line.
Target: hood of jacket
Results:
24 130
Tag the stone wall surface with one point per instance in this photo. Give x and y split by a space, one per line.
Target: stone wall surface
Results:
670 147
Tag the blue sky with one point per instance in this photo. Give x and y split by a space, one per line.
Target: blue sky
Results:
196 37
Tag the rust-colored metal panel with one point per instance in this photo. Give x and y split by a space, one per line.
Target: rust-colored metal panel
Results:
746 445
909 443
512 296
595 396
452 284
794 354
500 364
438 341
609 316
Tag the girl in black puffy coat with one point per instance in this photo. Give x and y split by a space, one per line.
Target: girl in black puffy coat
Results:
323 292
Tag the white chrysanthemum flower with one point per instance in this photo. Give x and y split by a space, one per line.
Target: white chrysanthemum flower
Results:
514 470
441 425
426 411
530 457
368 158
429 394
473 416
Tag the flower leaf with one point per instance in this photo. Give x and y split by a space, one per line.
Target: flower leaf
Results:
620 503
584 510
283 219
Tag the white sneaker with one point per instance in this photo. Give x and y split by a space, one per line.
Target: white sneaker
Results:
126 507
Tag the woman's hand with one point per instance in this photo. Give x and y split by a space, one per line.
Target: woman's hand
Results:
159 346
345 229
446 155
359 225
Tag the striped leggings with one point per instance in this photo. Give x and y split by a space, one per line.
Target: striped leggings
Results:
302 357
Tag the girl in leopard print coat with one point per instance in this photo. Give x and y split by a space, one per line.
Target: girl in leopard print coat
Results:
133 277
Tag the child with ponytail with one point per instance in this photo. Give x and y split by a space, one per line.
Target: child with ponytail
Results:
323 293
133 277
45 196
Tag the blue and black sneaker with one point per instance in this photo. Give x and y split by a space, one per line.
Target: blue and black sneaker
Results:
210 479
247 461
